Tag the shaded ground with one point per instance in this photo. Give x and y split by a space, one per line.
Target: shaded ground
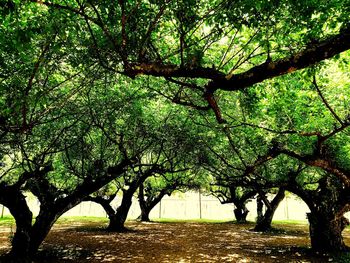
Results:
174 242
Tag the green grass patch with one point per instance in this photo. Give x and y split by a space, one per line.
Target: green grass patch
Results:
81 219
7 221
203 220
290 222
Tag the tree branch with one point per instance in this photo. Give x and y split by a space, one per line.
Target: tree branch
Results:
311 55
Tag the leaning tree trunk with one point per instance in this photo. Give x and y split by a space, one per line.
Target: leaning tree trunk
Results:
149 205
42 226
15 201
22 237
264 222
326 232
144 207
117 221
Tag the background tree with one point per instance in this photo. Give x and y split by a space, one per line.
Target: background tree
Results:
168 147
155 188
237 195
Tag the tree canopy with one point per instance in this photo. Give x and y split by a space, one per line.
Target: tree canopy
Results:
245 95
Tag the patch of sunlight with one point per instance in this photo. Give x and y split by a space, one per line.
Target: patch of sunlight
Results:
101 237
99 254
243 260
232 256
235 234
109 258
289 237
256 251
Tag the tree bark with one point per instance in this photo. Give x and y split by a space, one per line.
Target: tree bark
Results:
22 237
15 201
147 204
259 208
241 213
326 232
264 222
116 222
144 217
42 226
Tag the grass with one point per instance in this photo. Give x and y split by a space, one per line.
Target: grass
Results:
83 219
203 220
7 221
290 222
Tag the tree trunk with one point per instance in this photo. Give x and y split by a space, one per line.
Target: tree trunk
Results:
326 232
259 208
42 226
144 217
21 240
147 205
19 209
264 224
116 222
241 213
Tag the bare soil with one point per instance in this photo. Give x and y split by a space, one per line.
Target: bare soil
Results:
175 242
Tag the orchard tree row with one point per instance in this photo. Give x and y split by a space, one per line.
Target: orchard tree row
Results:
242 98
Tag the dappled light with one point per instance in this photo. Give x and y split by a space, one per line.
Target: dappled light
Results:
178 242
119 102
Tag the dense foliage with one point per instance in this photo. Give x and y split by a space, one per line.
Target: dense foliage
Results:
238 97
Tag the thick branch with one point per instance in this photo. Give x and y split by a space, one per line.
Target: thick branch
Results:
313 54
305 58
322 163
171 70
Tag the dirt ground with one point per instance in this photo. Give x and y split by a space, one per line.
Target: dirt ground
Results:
175 242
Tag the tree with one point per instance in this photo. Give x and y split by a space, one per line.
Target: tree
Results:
154 189
169 146
206 48
327 200
38 81
63 159
237 195
264 220
56 188
260 41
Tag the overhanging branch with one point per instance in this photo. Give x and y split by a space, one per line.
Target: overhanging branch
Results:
311 55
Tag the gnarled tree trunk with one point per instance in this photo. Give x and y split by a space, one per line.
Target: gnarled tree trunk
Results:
264 221
22 237
14 200
117 221
147 204
326 232
327 205
241 213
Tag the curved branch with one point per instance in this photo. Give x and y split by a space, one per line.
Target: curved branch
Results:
325 102
311 55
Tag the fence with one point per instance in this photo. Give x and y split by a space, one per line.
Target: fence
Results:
190 205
